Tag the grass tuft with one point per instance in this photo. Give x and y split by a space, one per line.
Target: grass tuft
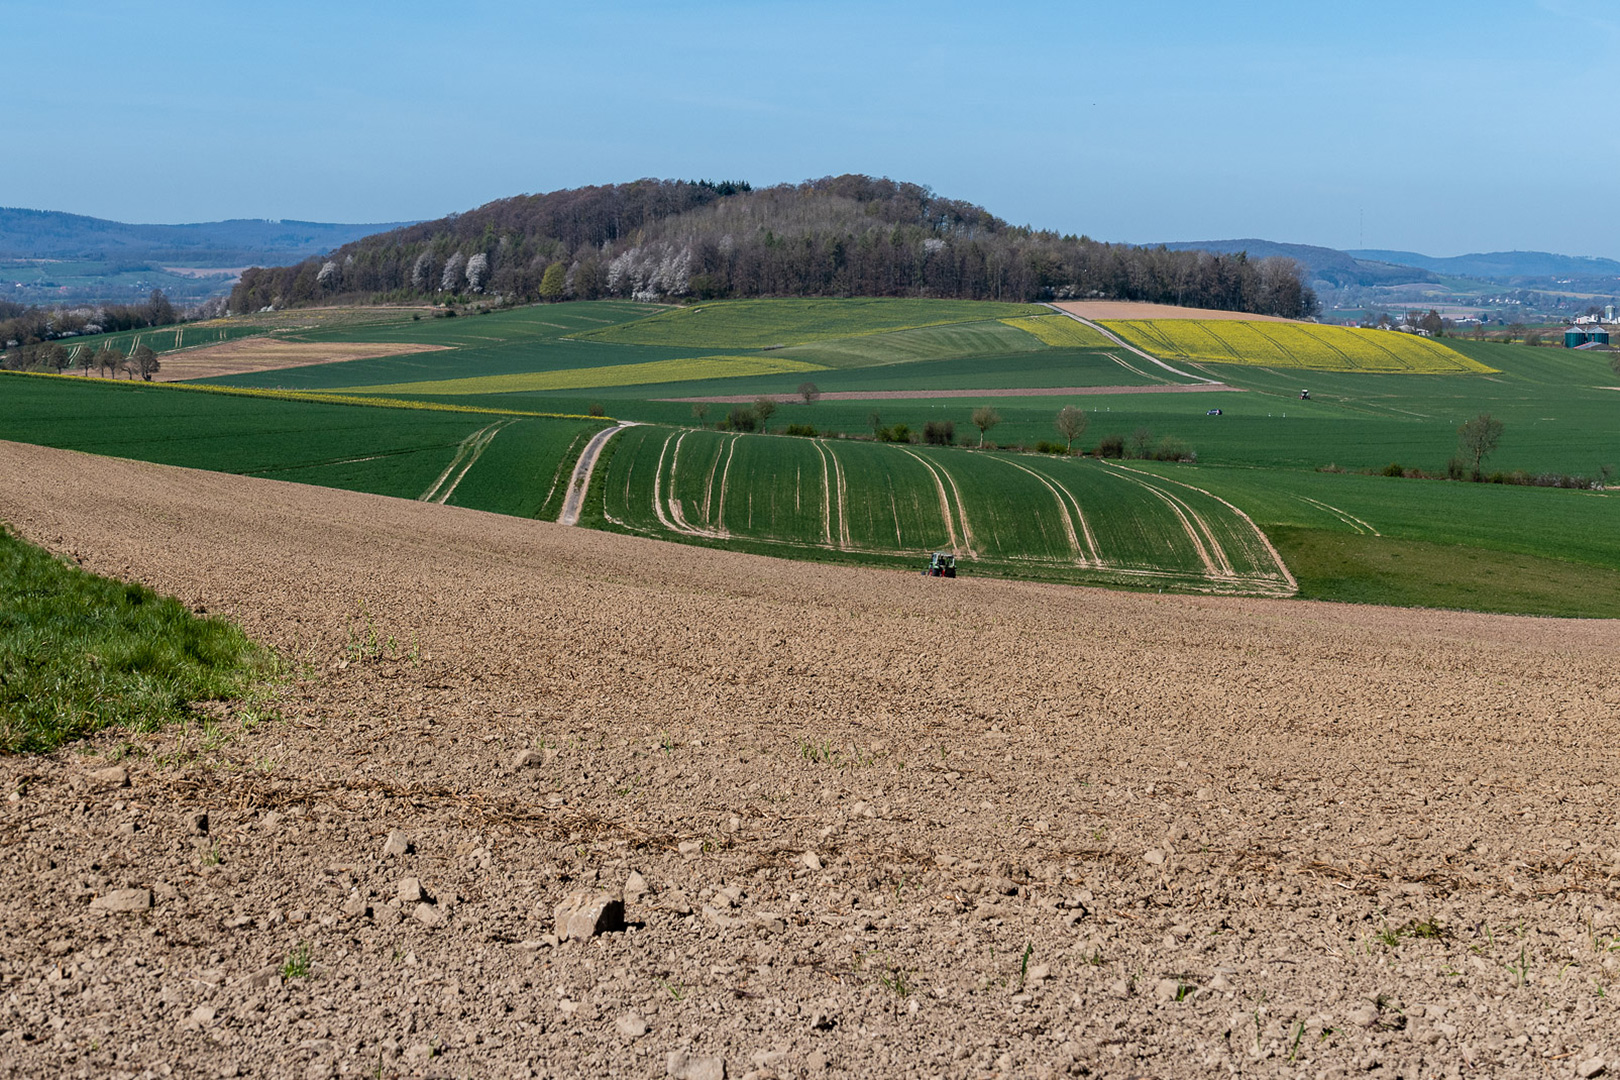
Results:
79 653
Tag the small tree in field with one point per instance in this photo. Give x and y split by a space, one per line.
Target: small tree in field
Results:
1478 437
700 413
874 420
1071 424
144 362
810 392
763 408
985 418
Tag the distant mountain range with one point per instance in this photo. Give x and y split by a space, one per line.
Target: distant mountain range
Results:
50 234
1368 267
1502 265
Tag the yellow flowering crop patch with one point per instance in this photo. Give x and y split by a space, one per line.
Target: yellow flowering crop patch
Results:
1061 332
1305 346
655 371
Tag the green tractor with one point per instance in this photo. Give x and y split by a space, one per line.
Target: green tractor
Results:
941 564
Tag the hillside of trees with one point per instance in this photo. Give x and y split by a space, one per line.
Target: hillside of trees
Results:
662 240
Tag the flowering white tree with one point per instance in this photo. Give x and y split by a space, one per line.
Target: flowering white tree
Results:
454 270
477 271
328 275
422 272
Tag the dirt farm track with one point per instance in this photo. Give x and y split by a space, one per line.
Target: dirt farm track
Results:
864 823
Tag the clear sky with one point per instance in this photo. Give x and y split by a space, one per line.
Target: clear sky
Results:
1437 126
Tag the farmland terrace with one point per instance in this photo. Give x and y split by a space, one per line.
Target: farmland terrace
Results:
865 823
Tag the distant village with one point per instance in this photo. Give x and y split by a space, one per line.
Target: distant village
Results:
1588 331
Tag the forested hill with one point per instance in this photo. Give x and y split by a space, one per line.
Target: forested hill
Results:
839 236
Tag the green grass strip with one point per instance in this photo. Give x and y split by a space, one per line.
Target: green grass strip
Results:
323 397
79 653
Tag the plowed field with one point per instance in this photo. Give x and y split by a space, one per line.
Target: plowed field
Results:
879 825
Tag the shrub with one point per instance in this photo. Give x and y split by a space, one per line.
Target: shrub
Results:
1045 447
1393 469
1171 448
1456 469
597 410
741 418
897 433
1111 446
806 430
939 432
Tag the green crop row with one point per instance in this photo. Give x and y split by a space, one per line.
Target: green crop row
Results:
1070 519
768 324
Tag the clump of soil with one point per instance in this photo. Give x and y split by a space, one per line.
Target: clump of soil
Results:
860 822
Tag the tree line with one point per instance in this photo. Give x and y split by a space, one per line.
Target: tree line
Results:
23 325
852 235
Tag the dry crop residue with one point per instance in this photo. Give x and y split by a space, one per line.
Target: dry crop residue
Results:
885 824
246 355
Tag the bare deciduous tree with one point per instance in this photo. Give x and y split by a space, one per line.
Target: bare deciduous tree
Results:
763 408
700 413
1071 424
985 418
810 392
1478 437
143 362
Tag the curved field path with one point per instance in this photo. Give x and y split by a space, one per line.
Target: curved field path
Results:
875 823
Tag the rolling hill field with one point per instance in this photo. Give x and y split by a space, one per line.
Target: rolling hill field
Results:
480 396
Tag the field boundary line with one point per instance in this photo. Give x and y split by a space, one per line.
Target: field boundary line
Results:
463 448
708 484
1134 370
844 540
945 503
1068 521
725 481
1122 343
677 512
826 493
574 501
1282 567
472 459
1343 515
1212 568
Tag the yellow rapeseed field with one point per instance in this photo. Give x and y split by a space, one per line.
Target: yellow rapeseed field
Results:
654 371
1061 332
1304 346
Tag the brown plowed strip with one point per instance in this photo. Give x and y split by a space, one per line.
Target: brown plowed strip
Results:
1035 391
246 355
1042 814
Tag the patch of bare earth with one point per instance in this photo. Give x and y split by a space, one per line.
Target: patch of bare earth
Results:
1133 309
864 823
246 355
1034 391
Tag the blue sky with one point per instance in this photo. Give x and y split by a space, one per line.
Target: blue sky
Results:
1442 127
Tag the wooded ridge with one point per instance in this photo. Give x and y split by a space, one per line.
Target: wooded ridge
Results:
851 235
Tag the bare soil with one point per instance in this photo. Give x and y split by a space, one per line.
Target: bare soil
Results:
1133 309
1033 391
246 355
873 824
